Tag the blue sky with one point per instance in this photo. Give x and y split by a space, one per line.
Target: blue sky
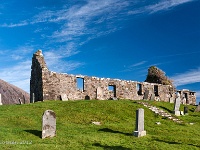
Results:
104 38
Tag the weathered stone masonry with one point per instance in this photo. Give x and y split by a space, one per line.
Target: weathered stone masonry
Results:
48 85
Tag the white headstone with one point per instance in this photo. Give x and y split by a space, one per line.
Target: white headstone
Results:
64 97
0 100
139 129
48 124
177 104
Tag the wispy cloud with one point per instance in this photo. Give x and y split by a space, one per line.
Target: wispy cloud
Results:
138 64
189 77
23 23
159 6
54 58
18 74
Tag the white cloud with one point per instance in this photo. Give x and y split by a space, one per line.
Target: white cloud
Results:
23 23
189 77
160 6
138 64
18 75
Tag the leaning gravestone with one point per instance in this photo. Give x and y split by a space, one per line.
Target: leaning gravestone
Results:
177 105
0 100
64 97
146 94
139 130
48 124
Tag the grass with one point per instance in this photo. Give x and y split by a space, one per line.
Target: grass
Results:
20 126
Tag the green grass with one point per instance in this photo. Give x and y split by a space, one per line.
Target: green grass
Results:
20 127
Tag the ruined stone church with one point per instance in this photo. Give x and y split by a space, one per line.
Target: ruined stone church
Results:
49 85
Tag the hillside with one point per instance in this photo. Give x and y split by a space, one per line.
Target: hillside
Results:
21 124
10 94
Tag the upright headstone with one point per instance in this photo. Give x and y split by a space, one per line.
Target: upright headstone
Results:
152 97
0 100
184 101
24 99
139 128
185 110
177 104
146 94
171 100
48 124
33 100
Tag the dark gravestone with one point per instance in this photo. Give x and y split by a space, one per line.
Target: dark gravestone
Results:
185 110
146 94
139 128
48 124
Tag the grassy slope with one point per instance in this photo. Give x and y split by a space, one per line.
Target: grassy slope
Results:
22 123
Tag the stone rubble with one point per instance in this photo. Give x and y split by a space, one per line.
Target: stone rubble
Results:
160 112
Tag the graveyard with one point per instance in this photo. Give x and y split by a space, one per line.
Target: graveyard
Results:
93 124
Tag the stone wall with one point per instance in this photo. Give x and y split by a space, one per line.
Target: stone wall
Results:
48 85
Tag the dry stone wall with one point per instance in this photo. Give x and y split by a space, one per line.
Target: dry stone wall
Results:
48 85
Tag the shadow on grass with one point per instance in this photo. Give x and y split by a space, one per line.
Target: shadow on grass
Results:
35 132
111 147
170 142
170 111
113 131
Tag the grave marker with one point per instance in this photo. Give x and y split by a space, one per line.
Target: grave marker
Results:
0 100
48 124
152 97
139 130
64 97
177 105
146 94
185 110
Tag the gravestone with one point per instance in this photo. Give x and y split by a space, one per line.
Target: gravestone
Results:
185 110
48 124
100 93
64 97
152 97
184 101
177 104
146 94
139 128
197 109
0 100
33 100
24 99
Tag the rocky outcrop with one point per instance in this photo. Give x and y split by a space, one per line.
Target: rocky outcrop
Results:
11 94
